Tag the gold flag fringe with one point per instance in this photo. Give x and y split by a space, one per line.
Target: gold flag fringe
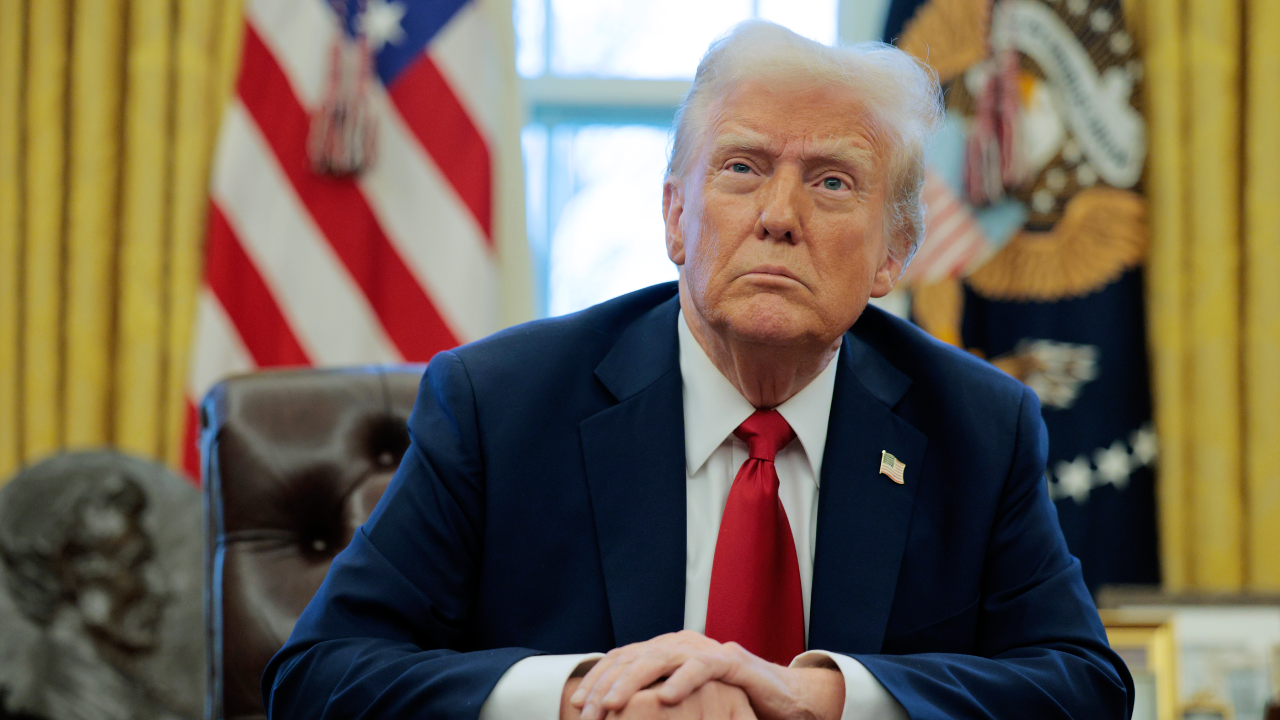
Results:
1102 233
948 35
937 307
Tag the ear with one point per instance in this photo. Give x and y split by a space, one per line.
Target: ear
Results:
673 214
886 275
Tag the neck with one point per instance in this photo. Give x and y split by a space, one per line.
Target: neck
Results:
766 375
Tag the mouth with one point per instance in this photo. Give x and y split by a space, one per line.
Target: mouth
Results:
776 271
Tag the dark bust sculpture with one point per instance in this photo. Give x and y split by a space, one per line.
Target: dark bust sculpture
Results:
100 612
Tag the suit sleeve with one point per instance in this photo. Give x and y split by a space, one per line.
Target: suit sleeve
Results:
383 636
1041 649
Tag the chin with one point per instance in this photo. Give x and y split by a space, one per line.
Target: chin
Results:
773 321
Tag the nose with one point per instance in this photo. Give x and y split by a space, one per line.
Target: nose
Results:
781 207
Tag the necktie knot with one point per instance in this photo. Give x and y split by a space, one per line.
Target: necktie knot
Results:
765 433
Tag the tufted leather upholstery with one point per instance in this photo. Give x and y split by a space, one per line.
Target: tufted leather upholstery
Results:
293 462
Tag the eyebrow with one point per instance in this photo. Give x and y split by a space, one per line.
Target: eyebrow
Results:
838 151
841 151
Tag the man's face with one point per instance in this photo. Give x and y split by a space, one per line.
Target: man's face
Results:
778 222
111 571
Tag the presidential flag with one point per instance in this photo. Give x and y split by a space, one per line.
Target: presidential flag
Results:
351 215
1035 241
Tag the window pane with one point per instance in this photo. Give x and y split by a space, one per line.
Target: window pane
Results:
531 34
534 140
608 238
657 39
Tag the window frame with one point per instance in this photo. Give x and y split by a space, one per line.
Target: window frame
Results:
553 101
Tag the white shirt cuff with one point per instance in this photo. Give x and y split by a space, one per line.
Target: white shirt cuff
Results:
864 697
531 689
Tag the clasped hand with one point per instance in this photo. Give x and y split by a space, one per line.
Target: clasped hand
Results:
703 679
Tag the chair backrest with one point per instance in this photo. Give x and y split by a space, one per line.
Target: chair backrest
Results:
294 461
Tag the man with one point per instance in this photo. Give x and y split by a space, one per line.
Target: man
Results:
99 591
708 478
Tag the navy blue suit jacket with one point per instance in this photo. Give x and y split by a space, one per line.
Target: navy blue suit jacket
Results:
541 509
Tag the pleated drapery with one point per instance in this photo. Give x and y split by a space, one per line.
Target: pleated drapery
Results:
108 114
1213 93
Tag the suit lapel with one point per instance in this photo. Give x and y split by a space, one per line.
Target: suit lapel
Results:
635 462
863 516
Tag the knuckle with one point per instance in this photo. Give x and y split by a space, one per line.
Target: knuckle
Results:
732 652
644 701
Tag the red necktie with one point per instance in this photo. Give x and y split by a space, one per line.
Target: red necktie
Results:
755 579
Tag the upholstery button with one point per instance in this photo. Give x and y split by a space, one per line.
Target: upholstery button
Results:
386 459
319 545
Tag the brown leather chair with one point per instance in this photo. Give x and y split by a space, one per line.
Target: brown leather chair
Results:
293 462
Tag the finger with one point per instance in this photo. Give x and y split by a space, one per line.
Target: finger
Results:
593 677
640 674
592 708
598 683
645 706
690 676
729 663
720 700
617 688
741 706
579 697
589 680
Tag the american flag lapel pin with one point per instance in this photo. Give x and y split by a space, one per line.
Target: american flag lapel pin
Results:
892 466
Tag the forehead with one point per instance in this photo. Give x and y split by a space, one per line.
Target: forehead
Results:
810 120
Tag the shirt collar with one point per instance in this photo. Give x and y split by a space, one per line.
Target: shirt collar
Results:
713 407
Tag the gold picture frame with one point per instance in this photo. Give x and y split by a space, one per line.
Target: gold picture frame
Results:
1146 643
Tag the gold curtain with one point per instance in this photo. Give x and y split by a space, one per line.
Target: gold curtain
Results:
108 115
1213 93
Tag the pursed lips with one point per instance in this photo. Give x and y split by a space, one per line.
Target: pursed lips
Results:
773 270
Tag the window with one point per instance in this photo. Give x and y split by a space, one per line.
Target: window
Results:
601 80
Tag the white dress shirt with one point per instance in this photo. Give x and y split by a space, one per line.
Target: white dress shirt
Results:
713 409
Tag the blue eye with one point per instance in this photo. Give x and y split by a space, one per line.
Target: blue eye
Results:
833 183
741 168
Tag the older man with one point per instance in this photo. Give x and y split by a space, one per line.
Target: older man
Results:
711 478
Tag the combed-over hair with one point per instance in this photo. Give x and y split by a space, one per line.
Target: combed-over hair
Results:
901 94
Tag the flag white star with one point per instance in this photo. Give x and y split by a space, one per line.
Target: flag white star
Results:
1113 464
1075 479
380 23
1145 447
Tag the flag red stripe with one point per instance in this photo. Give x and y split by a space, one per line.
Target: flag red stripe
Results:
249 303
956 245
943 214
941 209
967 260
961 233
340 210
191 444
440 122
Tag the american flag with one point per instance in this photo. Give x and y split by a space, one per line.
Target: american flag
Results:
387 265
892 467
953 244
